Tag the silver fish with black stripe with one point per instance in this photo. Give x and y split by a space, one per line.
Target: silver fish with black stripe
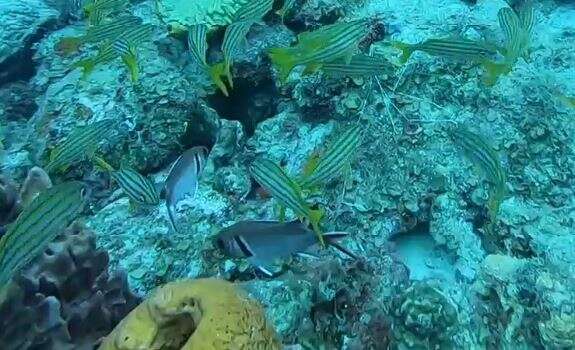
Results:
264 242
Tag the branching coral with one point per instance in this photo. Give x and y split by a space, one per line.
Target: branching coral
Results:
203 314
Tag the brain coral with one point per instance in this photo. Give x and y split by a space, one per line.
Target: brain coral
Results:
183 13
203 314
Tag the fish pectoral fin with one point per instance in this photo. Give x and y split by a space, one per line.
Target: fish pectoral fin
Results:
311 68
307 255
267 269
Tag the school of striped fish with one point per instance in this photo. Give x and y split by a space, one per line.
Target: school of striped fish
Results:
332 50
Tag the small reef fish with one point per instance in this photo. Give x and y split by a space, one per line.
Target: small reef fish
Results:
198 43
81 143
274 180
336 158
109 31
263 242
359 66
486 160
137 187
327 44
234 38
38 224
124 47
96 9
517 33
517 28
568 101
127 52
253 10
183 179
456 48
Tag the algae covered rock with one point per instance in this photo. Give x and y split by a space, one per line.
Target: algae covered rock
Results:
22 22
559 332
203 314
428 318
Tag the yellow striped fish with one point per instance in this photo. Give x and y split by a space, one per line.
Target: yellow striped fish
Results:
359 66
455 48
253 10
335 159
137 187
108 31
96 9
517 31
198 43
40 222
271 177
234 38
81 143
286 8
127 52
327 44
124 46
486 160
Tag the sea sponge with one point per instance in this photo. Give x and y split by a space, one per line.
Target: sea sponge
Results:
66 298
202 314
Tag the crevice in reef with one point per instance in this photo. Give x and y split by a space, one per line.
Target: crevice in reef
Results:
21 66
249 102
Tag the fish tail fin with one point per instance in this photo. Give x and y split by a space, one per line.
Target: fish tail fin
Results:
406 50
216 72
172 217
493 70
101 164
69 45
228 73
315 216
131 61
87 67
283 60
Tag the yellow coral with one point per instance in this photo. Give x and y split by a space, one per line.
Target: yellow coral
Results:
203 314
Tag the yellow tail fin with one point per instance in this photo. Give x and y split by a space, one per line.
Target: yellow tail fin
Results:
216 72
314 219
283 60
131 61
493 70
406 50
86 65
101 164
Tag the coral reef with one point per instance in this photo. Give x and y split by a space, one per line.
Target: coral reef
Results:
205 314
428 318
433 269
66 298
24 23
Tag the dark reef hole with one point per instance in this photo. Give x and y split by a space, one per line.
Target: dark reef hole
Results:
249 102
199 132
21 66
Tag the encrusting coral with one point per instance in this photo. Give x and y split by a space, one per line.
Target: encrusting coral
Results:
202 314
66 299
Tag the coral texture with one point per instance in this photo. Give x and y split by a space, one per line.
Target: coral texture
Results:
206 314
65 299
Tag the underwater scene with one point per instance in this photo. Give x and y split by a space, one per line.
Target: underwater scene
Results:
287 174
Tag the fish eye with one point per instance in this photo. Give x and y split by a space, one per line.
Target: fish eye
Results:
220 244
